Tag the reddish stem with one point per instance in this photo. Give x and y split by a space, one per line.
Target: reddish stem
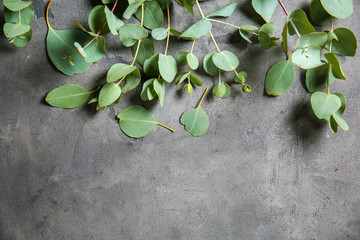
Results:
291 22
283 7
113 9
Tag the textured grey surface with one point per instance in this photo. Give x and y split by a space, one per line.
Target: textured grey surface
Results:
264 170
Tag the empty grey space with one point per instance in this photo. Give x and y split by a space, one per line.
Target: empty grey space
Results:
265 169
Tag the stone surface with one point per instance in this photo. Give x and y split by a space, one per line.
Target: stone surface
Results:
266 168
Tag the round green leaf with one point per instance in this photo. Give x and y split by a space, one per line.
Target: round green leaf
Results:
209 65
131 81
181 58
132 8
97 20
23 40
153 15
226 61
338 8
279 78
240 77
227 91
265 8
301 22
346 44
192 61
130 33
225 11
167 67
16 5
307 58
118 71
316 78
159 33
312 39
196 121
318 14
109 93
113 21
335 66
68 96
325 105
136 121
15 29
26 15
219 90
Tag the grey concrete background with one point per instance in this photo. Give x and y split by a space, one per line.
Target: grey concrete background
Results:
264 170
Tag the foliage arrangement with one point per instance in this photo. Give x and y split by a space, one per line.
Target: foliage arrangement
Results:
74 51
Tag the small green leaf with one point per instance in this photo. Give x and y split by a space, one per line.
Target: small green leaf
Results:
335 66
109 93
179 79
68 96
97 20
96 50
346 44
341 122
312 39
301 22
338 8
245 31
188 4
325 105
226 61
25 15
136 121
167 67
80 49
159 88
209 65
284 35
307 58
118 71
318 14
159 33
246 88
265 40
268 28
130 33
15 29
93 100
197 30
279 78
153 15
342 109
265 8
192 61
219 90
23 40
131 81
16 5
151 66
132 8
226 11
148 92
227 91
181 58
240 77
175 32
316 78
113 21
195 80
146 50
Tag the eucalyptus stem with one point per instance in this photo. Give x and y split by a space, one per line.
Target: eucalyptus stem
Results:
192 47
166 127
330 50
219 76
200 10
168 32
287 13
213 39
139 42
202 98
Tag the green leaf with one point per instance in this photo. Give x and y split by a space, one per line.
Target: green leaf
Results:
284 34
316 78
97 20
96 50
246 30
197 30
181 58
130 33
268 28
209 65
113 21
226 11
80 49
23 40
342 109
335 66
181 77
109 93
325 105
226 60
346 44
192 61
240 77
132 8
93 100
307 58
195 80
312 39
175 32
196 120
63 53
136 121
338 8
159 88
15 29
131 81
227 91
318 14
118 71
68 96
167 67
151 66
279 78
341 122
265 8
146 50
148 92
188 4
265 40
219 90
153 15
25 15
189 88
301 22
159 33
16 5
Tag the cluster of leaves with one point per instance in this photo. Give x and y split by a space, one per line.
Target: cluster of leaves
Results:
307 54
18 15
74 51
